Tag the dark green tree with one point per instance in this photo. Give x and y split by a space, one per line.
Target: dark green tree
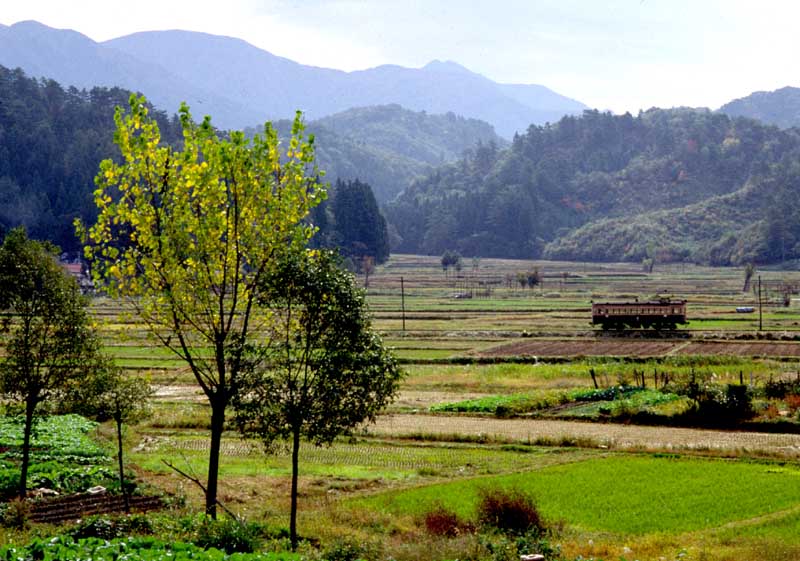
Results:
360 227
325 370
50 345
451 259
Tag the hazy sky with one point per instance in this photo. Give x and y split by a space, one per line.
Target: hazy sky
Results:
611 54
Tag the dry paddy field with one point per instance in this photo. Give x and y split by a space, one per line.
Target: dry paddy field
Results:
602 435
638 348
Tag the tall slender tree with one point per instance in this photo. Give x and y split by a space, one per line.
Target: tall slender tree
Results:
187 235
110 394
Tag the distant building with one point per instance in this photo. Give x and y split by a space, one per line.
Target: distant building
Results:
81 274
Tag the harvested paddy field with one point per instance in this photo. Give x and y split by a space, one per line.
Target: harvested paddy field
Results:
582 348
641 348
587 434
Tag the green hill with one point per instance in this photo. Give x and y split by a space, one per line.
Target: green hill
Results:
689 184
388 146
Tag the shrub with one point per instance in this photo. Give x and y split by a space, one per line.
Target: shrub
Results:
227 534
348 549
509 511
15 514
95 527
443 522
717 404
110 527
778 389
792 402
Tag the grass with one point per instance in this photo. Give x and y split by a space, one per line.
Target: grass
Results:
521 378
360 459
626 495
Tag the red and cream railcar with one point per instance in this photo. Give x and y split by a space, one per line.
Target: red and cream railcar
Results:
664 313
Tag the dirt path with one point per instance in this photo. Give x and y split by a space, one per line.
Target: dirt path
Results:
599 434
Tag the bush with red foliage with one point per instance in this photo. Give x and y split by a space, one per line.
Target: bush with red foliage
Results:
509 511
443 522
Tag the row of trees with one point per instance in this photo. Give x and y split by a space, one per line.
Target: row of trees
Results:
208 243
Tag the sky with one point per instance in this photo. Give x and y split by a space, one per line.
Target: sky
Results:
620 55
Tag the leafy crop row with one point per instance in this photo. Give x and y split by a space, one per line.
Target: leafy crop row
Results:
53 437
130 549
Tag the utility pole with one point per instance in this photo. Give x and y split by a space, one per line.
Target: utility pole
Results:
403 302
760 325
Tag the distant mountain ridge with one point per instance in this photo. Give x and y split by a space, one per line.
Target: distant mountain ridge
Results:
239 84
780 107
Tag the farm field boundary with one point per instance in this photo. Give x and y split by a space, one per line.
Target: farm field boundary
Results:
601 435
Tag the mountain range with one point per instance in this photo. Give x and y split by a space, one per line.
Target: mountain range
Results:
241 85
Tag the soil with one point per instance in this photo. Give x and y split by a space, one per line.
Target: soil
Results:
641 348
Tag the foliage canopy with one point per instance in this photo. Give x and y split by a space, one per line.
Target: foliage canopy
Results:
324 371
187 236
50 344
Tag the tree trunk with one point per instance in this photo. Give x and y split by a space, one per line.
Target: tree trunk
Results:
295 471
217 426
122 486
30 407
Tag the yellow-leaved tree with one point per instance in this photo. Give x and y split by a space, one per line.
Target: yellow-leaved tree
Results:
187 235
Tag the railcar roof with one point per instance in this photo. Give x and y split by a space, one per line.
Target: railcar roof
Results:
642 302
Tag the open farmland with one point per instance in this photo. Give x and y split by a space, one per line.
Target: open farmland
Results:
478 336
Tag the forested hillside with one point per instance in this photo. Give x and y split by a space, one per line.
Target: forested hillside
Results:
51 141
683 183
429 138
780 107
388 146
